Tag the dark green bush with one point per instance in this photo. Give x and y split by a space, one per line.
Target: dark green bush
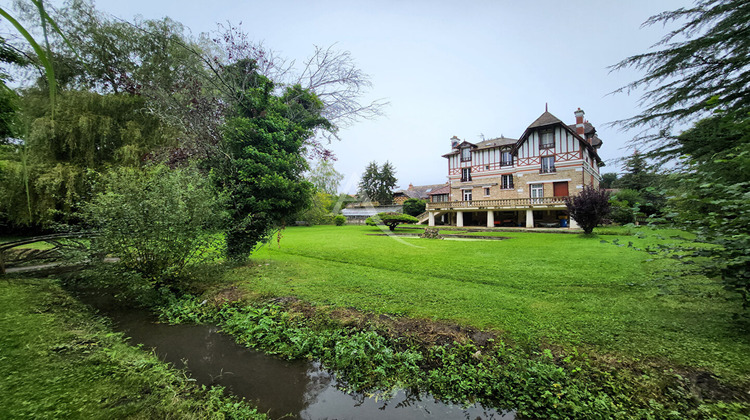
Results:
414 206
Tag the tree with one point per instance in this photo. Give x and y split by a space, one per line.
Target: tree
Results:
325 177
589 207
377 183
390 219
414 206
608 180
704 78
642 179
700 65
262 169
157 221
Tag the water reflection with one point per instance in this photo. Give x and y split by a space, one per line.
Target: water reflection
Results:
283 389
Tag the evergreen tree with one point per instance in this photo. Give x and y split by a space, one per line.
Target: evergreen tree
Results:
377 183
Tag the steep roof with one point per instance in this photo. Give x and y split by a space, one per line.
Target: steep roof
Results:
419 191
544 120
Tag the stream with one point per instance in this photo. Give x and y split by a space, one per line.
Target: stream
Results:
282 389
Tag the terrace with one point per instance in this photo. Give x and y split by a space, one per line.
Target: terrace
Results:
523 210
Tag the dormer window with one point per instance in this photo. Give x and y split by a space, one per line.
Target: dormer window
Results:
506 159
547 139
465 154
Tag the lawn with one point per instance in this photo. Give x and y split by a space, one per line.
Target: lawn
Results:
560 289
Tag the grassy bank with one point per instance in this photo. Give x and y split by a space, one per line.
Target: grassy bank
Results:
59 361
566 290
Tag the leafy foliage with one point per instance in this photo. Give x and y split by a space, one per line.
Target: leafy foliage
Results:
414 206
589 207
535 383
377 183
339 220
262 169
713 198
390 219
157 221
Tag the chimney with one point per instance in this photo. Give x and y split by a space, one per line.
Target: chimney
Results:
411 187
454 142
579 122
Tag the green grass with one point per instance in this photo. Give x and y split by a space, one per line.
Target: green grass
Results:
568 290
58 361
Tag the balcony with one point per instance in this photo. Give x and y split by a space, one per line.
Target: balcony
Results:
507 203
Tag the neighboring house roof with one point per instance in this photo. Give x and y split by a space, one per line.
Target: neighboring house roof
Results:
418 191
445 189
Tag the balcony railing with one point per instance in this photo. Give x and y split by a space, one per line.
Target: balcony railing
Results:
548 170
506 203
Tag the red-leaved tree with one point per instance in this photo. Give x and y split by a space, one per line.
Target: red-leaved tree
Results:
589 207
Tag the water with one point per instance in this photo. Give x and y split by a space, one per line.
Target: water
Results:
288 389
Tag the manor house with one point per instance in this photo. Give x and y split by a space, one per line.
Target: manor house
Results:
518 182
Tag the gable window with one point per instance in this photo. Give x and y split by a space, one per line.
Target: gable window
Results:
465 174
506 159
548 165
465 154
506 182
546 139
486 191
467 195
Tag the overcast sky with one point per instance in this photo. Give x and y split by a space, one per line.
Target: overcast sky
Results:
449 68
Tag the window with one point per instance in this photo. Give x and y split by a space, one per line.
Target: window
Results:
506 182
465 174
506 159
467 195
537 191
439 198
465 154
548 165
547 139
486 191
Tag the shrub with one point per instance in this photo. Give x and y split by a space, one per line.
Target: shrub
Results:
589 207
339 220
414 206
390 219
157 221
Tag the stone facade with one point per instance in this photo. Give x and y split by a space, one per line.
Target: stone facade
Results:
550 161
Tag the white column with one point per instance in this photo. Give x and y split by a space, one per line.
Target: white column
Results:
490 218
572 223
460 219
529 218
432 218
